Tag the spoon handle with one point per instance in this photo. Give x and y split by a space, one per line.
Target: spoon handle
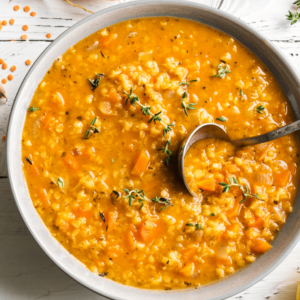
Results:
270 136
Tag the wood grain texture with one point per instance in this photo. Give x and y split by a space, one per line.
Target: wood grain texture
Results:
25 271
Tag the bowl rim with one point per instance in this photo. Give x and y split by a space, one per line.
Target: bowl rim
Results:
110 292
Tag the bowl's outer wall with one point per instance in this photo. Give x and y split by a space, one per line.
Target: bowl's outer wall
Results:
274 60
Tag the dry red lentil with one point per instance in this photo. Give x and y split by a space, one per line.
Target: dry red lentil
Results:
16 7
26 8
10 77
13 68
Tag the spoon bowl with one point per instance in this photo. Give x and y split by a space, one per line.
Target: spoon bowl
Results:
212 130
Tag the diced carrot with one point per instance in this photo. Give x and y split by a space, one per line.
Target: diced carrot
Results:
207 185
231 168
189 252
48 120
260 246
34 170
224 261
113 96
57 98
188 270
109 39
42 193
130 240
82 213
141 163
113 251
219 177
258 223
234 212
148 231
282 178
235 228
111 219
264 152
71 162
88 152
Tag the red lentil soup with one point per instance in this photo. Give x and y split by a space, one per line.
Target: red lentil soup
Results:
99 146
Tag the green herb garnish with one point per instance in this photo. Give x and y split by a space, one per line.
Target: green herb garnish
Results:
146 110
294 17
222 119
222 71
198 226
260 109
187 82
212 214
112 160
187 106
102 217
32 108
141 197
92 127
60 182
233 182
96 81
241 92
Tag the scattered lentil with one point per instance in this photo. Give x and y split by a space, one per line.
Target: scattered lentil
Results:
33 14
48 35
26 8
13 68
3 80
16 7
4 66
1 61
4 23
11 21
4 138
25 27
24 37
10 77
28 62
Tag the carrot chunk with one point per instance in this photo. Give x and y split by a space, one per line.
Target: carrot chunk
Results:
148 231
34 170
42 194
109 39
207 185
231 168
188 270
88 152
141 163
260 246
234 212
48 120
282 178
113 96
130 240
111 219
71 162
189 252
258 223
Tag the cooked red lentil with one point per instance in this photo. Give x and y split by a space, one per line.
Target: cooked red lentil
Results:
100 167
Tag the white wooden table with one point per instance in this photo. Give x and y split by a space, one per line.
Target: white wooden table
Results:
25 271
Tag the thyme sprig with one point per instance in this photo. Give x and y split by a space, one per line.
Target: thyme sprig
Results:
222 71
91 128
260 109
96 81
185 106
140 196
294 17
146 110
233 182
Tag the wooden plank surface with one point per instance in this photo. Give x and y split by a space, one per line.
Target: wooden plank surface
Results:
25 271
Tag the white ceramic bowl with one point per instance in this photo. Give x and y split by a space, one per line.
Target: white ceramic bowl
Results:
273 59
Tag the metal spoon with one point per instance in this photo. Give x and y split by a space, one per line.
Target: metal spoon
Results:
211 130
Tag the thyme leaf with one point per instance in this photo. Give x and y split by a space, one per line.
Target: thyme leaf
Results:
92 127
96 81
28 160
60 182
222 119
32 108
198 226
260 109
102 217
187 106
